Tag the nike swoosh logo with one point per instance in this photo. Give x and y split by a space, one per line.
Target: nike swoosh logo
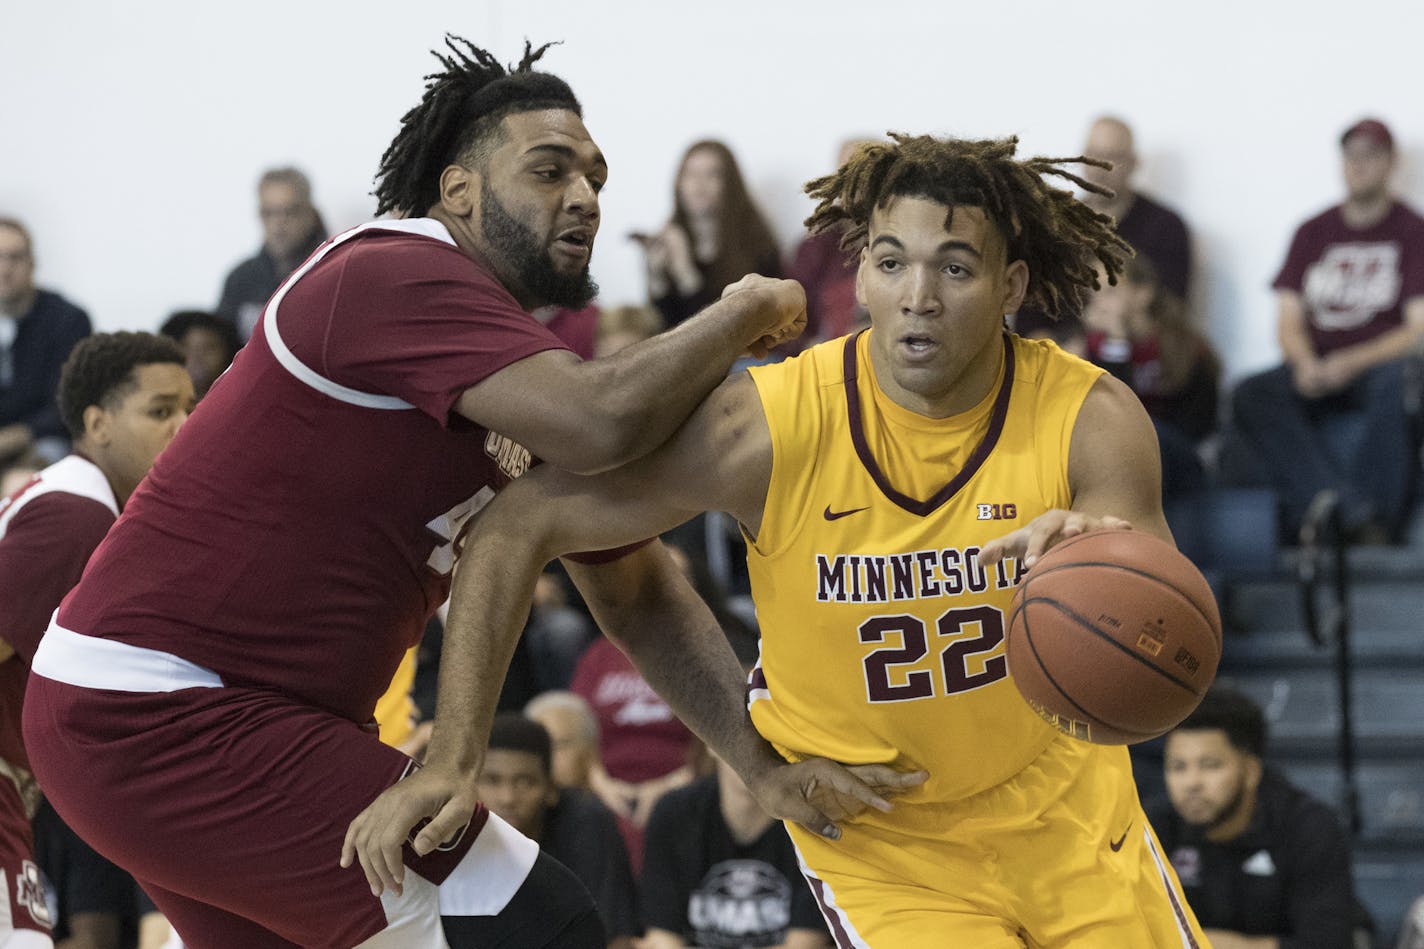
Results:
837 515
1116 845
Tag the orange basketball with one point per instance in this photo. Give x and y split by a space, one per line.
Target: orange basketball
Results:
1114 637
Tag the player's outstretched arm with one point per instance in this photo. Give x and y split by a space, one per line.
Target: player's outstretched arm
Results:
592 416
710 463
1114 473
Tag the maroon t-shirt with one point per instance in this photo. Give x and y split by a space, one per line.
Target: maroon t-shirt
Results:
301 528
1355 282
641 738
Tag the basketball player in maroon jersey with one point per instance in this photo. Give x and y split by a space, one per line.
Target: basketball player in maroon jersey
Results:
123 397
199 709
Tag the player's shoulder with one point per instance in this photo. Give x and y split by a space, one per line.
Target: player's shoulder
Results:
1043 363
73 483
1324 224
415 248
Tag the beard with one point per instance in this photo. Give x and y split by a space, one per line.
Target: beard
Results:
529 261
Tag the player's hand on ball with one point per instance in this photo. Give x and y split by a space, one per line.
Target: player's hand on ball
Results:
378 833
1038 536
817 793
784 310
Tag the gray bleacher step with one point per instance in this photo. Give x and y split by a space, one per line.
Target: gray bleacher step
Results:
1388 878
1391 792
1277 649
1377 602
1302 705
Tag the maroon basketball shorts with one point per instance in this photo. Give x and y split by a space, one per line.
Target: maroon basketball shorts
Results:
230 805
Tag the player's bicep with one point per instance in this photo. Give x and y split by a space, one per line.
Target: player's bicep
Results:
552 404
1114 465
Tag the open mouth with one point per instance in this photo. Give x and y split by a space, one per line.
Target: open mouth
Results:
918 345
578 240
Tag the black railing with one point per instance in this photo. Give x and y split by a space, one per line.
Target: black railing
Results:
1324 573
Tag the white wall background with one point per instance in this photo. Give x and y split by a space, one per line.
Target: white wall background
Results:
132 134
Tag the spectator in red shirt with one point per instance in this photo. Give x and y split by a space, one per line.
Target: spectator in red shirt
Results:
1350 310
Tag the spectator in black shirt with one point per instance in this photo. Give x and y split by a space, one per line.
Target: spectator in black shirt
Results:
718 871
291 229
1263 865
38 328
571 825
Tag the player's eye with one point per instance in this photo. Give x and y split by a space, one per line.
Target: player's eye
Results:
954 270
889 264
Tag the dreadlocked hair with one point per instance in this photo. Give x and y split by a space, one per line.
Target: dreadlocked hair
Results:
1060 238
461 108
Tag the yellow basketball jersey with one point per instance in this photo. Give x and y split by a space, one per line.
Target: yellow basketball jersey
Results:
882 633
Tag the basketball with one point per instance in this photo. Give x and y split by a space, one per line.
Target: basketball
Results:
1114 637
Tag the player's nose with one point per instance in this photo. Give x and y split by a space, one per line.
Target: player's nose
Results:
920 297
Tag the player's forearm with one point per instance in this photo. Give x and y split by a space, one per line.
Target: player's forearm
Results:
677 645
654 385
489 602
1292 332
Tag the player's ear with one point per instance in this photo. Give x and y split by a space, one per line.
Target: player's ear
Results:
459 190
1253 772
1015 286
96 425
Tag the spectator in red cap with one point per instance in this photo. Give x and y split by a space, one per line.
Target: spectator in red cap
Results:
1350 300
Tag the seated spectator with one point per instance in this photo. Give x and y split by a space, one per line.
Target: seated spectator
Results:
827 271
716 236
645 747
291 229
38 328
1261 863
1350 309
569 824
719 872
208 341
573 734
621 326
556 635
1154 230
1140 332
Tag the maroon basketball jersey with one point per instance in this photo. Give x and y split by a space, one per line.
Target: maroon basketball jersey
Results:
301 528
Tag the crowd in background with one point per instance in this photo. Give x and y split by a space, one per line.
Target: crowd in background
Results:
591 762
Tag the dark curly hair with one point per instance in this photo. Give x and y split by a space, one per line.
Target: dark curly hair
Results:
100 371
1059 237
457 118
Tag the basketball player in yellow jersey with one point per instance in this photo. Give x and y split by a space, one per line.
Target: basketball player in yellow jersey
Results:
893 487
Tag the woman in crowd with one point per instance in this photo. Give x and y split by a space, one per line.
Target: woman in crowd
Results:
716 236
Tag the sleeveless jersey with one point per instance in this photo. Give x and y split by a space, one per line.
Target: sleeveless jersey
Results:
882 633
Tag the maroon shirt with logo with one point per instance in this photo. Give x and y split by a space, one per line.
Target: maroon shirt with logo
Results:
301 528
1355 282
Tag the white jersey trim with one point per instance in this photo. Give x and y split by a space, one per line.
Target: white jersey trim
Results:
93 663
424 227
490 872
71 475
1178 907
837 921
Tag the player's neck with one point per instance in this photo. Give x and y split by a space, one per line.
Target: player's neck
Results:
1235 824
966 391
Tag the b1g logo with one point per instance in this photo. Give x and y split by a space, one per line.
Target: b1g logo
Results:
997 512
30 894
